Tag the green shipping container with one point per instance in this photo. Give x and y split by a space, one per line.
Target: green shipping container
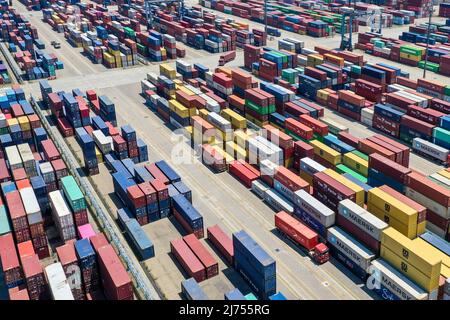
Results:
447 91
441 134
361 155
341 168
250 296
73 194
411 50
259 109
5 227
406 138
429 65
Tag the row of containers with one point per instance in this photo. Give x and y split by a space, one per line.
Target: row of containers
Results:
320 22
200 29
44 218
24 44
304 164
444 10
91 119
367 93
108 37
410 48
4 74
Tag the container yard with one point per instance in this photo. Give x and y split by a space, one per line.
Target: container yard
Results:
183 151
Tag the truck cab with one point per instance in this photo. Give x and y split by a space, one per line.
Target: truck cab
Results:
320 253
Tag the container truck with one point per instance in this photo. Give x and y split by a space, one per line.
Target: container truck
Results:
227 57
303 236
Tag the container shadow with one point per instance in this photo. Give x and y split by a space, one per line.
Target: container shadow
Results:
41 105
116 200
236 280
289 242
177 226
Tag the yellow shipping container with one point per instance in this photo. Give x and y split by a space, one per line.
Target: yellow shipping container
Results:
203 113
241 137
421 227
12 121
432 250
187 91
314 60
359 192
24 123
238 153
167 70
445 271
416 253
325 152
394 207
237 121
256 121
224 136
445 173
428 284
323 94
306 177
334 59
228 158
98 155
410 57
224 70
356 163
409 231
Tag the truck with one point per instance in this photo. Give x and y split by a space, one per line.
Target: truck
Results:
301 235
227 57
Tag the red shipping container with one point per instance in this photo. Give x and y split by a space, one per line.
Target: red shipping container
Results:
290 180
161 189
136 196
156 173
296 230
348 139
60 168
243 174
25 250
437 220
81 217
149 192
116 282
9 260
278 137
366 146
403 159
250 167
431 85
19 295
326 184
34 277
428 188
221 242
207 260
417 125
303 149
351 97
318 126
359 234
407 82
98 241
4 172
386 125
16 210
427 115
299 129
119 143
440 105
316 73
399 101
388 167
50 151
187 259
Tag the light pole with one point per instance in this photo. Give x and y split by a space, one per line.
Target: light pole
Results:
265 15
430 14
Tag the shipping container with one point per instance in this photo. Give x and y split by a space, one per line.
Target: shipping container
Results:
221 242
192 291
57 282
190 263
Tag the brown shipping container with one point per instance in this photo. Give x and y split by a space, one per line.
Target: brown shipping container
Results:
385 125
98 241
34 277
9 259
440 105
418 125
289 179
303 149
388 146
156 173
50 150
16 210
136 196
208 261
275 135
428 115
149 192
348 139
407 82
359 234
399 101
116 282
369 147
428 188
328 185
221 242
187 259
405 149
431 85
351 97
421 210
388 167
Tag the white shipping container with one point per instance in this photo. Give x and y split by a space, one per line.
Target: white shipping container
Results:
147 85
259 188
441 180
13 156
47 171
104 143
430 204
153 78
334 125
31 205
3 122
57 282
315 208
394 281
218 121
62 216
431 149
267 167
361 218
367 113
277 202
311 166
28 160
350 247
183 65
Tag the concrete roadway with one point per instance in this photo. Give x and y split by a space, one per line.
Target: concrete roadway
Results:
219 197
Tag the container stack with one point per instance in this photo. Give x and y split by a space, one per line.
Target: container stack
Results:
76 200
254 264
88 147
57 282
88 265
129 135
62 216
140 242
69 261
